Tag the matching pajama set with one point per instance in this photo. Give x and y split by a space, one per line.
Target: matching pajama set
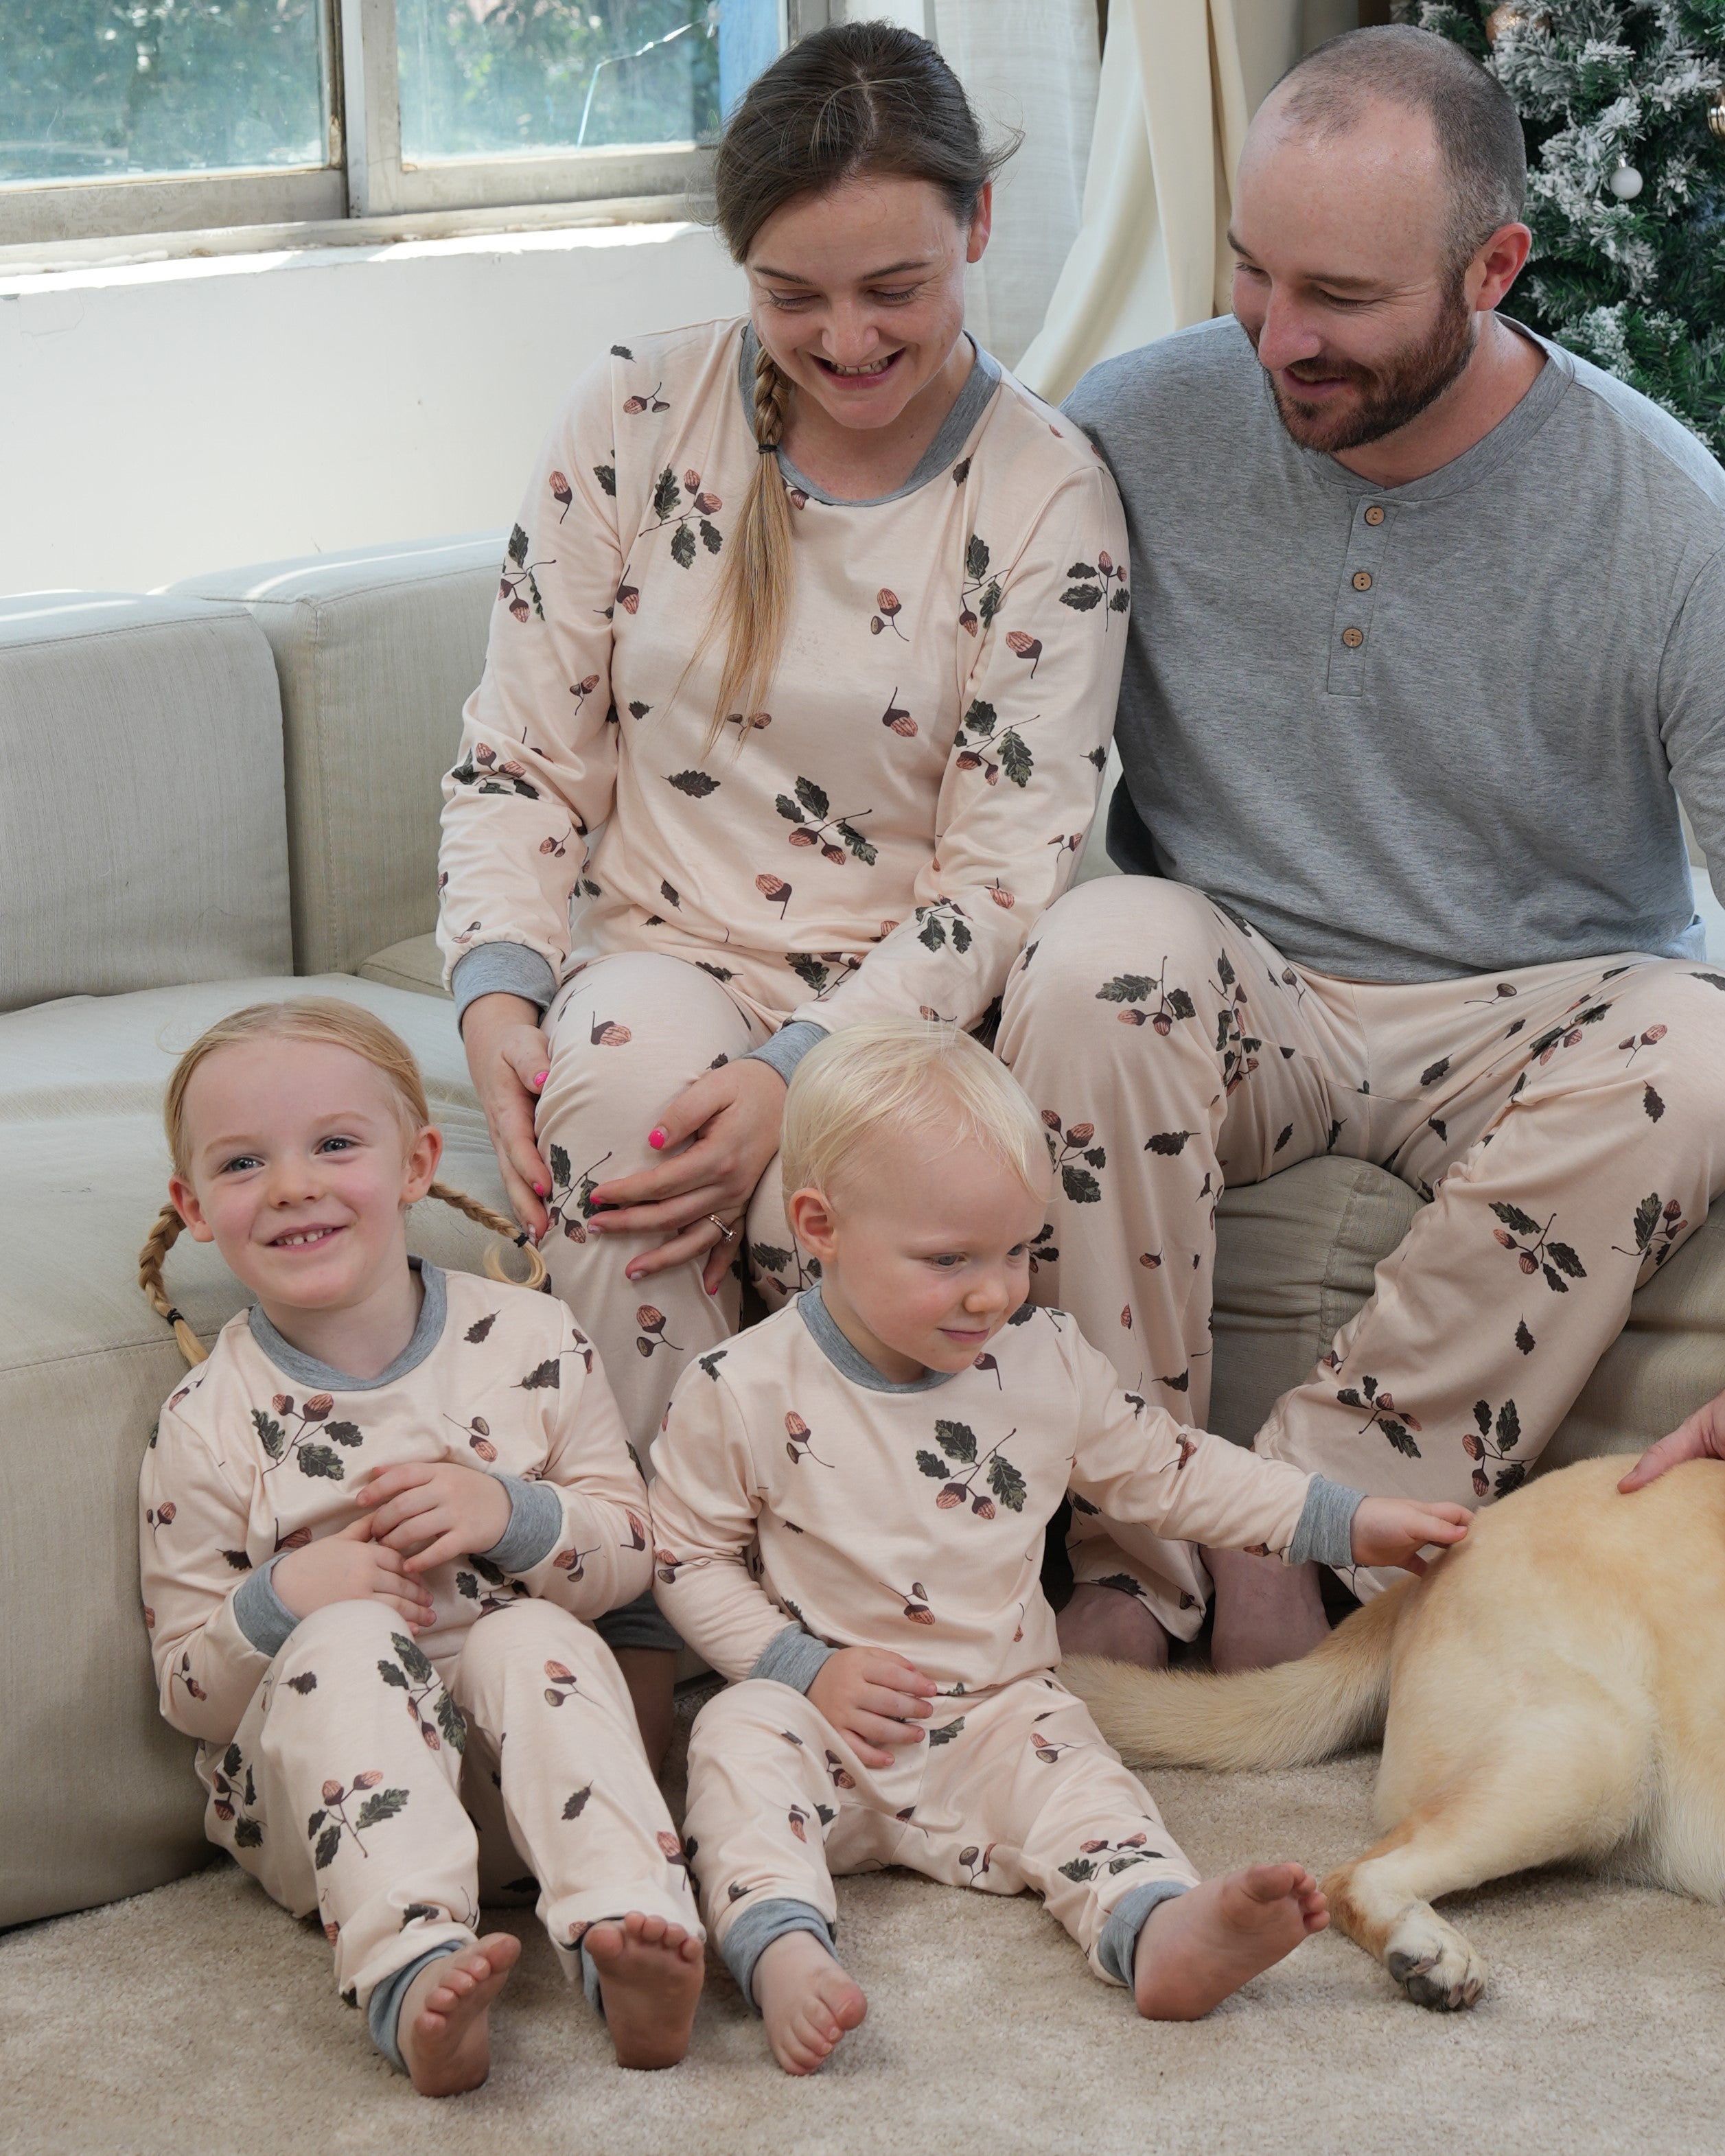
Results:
366 1776
880 840
1407 884
803 1503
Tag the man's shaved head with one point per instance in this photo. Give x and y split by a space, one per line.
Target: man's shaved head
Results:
1475 126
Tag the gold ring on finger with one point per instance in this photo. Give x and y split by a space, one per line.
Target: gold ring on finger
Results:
729 1234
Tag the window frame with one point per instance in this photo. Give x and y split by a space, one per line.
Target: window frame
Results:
365 175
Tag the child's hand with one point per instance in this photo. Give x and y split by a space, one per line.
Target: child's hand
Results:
1392 1530
873 1698
349 1566
433 1512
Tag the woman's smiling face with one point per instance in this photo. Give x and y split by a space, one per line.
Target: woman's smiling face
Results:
858 294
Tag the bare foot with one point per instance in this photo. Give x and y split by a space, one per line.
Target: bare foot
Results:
444 2028
1267 1611
1196 1948
806 2000
650 1978
1102 1620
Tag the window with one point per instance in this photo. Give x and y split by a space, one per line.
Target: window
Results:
129 116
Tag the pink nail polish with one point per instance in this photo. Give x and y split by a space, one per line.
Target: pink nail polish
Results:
540 1077
539 1190
656 1140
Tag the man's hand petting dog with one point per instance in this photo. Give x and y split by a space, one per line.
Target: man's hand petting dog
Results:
1394 1530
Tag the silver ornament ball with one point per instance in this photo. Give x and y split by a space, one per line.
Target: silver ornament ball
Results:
1626 184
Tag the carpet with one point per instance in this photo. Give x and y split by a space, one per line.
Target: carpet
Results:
200 2017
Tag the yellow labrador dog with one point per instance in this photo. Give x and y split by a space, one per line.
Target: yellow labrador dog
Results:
1552 1689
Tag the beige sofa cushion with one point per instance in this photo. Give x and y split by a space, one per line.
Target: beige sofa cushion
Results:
141 822
417 965
97 1793
1295 1257
376 651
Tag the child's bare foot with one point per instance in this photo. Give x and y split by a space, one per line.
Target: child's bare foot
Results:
1196 1948
444 2029
650 1978
807 2001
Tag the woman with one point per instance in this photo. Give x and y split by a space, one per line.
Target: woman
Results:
818 614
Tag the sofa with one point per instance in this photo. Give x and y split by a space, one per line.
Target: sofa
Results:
229 791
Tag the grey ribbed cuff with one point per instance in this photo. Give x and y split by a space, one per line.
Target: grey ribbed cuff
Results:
509 969
536 1520
756 1929
1324 1533
793 1657
260 1613
1117 1947
787 1048
384 2007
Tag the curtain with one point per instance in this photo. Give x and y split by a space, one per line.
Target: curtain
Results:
1179 81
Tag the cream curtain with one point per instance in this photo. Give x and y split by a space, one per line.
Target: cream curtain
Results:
1179 81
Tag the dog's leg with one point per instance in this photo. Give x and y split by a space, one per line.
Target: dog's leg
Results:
1558 1787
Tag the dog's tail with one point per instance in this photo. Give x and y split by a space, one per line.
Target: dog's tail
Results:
1286 1717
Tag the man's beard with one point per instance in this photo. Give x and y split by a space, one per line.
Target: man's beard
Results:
1388 397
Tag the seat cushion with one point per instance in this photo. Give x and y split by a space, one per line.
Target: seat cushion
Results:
1294 1258
98 1793
376 651
142 826
416 965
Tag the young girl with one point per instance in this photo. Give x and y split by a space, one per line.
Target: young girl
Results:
849 1508
373 1524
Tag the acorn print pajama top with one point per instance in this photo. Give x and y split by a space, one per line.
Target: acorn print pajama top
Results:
878 839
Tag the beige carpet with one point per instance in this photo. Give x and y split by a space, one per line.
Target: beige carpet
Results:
200 2018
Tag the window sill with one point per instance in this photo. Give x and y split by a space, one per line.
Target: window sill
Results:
33 258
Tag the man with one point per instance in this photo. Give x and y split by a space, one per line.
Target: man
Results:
1427 624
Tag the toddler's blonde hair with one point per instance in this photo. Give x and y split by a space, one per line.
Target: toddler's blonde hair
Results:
894 1075
335 1025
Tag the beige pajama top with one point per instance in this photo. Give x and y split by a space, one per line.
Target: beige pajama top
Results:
249 1460
789 1493
880 838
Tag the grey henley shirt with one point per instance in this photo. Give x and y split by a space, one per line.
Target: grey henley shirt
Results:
1418 732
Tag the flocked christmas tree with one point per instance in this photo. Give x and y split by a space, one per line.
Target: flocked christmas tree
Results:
1622 104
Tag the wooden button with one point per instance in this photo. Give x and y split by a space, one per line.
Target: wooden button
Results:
1353 638
1374 515
1362 580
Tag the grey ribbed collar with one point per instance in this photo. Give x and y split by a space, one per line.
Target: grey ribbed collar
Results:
849 1361
307 1370
979 386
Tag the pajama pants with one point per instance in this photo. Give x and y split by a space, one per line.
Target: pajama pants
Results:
1010 1789
628 1033
1566 1121
357 1786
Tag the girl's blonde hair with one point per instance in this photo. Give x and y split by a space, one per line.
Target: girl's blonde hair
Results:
900 1075
335 1025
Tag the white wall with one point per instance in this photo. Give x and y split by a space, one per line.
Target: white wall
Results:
160 420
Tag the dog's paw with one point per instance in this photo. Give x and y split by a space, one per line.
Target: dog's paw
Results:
1432 1959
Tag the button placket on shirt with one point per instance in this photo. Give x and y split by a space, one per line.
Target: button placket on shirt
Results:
1361 565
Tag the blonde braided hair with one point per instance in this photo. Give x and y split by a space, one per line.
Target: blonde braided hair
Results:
753 597
338 1025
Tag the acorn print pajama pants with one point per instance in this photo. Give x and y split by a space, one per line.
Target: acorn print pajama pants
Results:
628 1032
1566 1123
379 1791
1009 1788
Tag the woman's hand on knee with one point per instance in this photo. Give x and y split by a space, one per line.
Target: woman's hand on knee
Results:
717 1136
510 1060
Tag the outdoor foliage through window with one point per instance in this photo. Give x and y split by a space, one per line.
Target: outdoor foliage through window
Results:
101 90
483 77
